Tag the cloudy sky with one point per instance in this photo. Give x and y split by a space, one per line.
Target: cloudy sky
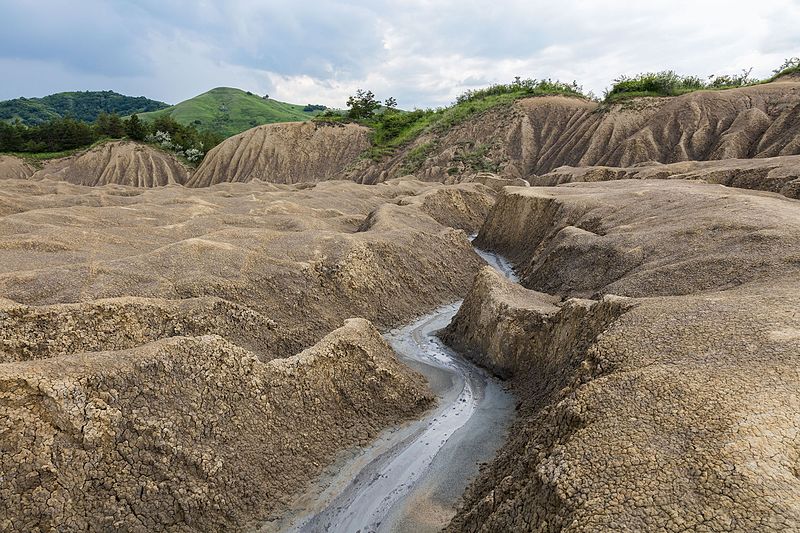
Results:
423 52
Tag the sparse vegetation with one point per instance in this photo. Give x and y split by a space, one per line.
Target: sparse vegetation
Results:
664 83
668 83
394 128
414 159
474 158
522 88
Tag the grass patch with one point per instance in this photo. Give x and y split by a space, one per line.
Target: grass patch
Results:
474 158
37 159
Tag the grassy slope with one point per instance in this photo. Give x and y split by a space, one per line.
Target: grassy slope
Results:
230 111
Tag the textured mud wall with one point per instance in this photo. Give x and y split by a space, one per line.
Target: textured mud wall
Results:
536 135
283 153
672 410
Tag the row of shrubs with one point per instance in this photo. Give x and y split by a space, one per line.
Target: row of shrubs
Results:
668 83
64 134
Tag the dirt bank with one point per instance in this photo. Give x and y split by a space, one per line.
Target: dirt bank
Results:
669 409
14 168
189 432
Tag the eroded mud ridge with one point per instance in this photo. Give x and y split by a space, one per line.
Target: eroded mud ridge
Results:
654 347
185 361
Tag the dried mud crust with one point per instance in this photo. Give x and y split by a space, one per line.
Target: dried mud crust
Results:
148 376
671 409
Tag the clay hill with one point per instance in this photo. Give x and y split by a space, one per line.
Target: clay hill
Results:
536 135
116 162
284 153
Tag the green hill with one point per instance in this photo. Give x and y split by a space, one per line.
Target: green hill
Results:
81 105
229 111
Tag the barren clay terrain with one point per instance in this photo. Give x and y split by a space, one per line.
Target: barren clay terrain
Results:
148 340
206 349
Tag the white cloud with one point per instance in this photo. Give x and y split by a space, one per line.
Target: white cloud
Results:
423 52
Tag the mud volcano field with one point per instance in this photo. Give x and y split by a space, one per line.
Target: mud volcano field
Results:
202 349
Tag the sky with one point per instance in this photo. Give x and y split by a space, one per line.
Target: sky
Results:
422 52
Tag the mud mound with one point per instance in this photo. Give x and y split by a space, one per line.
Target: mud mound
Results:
189 432
14 168
118 163
631 404
283 153
536 135
148 336
775 174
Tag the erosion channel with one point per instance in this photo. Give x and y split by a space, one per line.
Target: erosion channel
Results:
411 478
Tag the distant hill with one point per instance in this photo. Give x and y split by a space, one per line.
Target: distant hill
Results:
82 105
229 111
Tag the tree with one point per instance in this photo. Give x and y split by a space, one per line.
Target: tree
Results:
362 105
110 125
135 128
390 103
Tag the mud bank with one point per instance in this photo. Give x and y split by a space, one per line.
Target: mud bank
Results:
670 407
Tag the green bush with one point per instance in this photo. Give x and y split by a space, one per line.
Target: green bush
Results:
526 87
665 83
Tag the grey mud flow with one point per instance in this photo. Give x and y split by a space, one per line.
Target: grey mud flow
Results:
411 479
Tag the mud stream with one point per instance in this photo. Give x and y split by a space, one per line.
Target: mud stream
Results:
411 478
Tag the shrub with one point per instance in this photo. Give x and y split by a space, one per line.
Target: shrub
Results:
789 66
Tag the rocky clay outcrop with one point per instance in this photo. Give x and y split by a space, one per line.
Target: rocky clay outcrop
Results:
188 433
537 135
774 174
283 153
14 168
117 163
670 409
